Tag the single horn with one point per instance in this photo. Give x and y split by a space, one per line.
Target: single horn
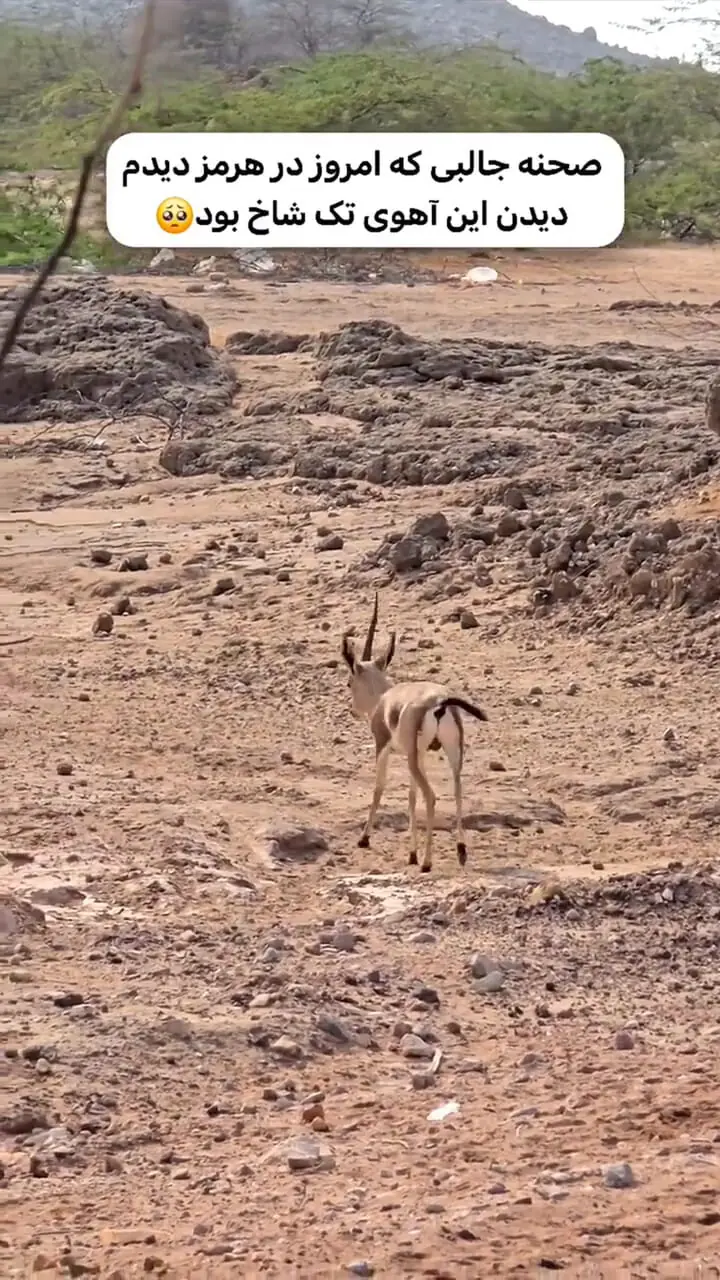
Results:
367 650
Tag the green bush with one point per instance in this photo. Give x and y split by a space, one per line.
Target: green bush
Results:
56 89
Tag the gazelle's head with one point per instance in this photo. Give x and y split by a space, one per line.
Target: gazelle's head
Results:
368 676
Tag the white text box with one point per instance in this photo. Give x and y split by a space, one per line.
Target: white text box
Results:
365 190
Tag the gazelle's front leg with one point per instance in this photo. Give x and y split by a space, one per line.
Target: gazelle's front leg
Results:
381 767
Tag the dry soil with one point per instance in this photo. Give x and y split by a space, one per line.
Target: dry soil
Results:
226 1030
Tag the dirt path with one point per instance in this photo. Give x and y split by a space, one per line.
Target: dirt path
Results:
207 1031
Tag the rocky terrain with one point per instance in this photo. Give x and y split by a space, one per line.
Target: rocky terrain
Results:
233 1042
453 24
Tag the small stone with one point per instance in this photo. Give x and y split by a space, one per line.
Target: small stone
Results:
68 1000
313 1111
468 621
308 1153
412 1046
422 1079
287 1047
344 940
491 983
103 624
641 583
507 525
481 965
334 1028
64 768
223 585
135 563
41 1262
563 588
619 1176
624 1040
427 995
20 976
113 1164
262 1000
406 555
331 542
515 498
360 1269
100 555
434 525
572 689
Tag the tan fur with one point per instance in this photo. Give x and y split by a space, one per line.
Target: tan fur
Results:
403 720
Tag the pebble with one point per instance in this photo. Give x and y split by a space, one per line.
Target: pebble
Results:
619 1176
103 624
331 542
344 940
411 1046
624 1040
307 1153
427 995
491 983
20 976
68 999
481 965
360 1269
287 1047
334 1028
262 1000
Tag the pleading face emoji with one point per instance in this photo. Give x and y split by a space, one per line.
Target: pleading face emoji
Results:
174 215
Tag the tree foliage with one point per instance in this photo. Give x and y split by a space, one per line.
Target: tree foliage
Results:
55 88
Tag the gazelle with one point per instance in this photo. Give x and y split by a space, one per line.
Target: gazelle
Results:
413 717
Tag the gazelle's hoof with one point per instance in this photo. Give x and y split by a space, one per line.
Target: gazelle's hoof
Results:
363 842
412 860
462 853
426 866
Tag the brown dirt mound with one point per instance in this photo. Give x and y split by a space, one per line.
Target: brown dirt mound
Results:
88 348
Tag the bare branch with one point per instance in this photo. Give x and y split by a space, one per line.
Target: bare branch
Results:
132 92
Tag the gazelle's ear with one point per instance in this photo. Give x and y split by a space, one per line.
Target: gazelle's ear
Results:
384 661
348 651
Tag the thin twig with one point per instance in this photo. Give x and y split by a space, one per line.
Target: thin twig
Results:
132 92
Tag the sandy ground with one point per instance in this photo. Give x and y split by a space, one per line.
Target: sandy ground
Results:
206 1067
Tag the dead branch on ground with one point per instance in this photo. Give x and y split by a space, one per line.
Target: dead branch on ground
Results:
106 135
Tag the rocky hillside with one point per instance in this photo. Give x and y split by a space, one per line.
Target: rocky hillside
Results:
541 43
434 23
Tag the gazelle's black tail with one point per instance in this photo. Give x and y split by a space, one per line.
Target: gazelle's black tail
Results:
468 707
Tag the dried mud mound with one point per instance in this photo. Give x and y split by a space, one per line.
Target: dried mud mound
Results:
88 348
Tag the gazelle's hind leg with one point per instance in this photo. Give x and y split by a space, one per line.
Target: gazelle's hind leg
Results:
450 733
412 813
419 777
